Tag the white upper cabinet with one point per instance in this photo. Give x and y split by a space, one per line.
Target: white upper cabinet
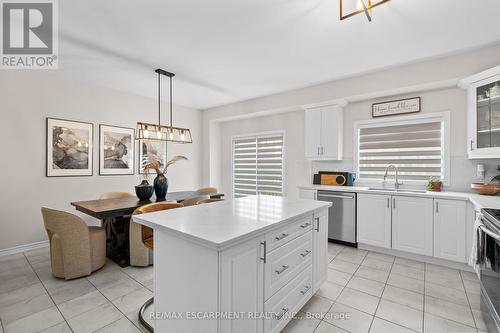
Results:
412 224
323 132
374 220
483 114
449 229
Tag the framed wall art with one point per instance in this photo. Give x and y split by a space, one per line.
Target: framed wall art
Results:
398 107
149 148
69 148
116 150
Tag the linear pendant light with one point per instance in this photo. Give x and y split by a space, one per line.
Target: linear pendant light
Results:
148 131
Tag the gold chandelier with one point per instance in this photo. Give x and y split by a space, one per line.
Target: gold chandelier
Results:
148 131
350 8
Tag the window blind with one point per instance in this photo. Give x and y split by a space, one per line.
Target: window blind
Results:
416 149
258 165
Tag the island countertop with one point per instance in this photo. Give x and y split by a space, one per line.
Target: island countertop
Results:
220 224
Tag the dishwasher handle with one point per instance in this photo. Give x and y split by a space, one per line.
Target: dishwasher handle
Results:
324 195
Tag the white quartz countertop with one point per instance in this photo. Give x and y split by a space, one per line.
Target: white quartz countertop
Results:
479 201
220 224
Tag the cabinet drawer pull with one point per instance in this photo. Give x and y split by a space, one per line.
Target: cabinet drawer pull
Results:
305 225
264 258
281 237
305 254
283 268
303 292
283 312
317 221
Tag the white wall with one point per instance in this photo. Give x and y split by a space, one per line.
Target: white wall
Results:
435 80
26 99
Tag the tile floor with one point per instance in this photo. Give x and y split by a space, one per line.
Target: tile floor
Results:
365 292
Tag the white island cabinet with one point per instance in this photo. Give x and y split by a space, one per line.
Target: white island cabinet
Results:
243 265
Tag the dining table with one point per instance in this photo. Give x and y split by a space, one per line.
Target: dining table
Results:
115 218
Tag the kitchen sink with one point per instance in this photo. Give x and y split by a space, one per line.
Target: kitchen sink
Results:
395 190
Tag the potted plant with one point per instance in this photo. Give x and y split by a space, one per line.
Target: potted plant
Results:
434 184
160 183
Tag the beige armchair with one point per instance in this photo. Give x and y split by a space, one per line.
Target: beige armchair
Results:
76 249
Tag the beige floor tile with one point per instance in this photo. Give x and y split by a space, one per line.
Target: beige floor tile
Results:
384 326
81 304
70 290
59 328
95 319
25 308
471 276
317 306
378 264
472 286
400 314
355 251
448 310
325 327
404 282
367 286
456 296
435 324
19 281
36 322
334 249
372 274
350 257
330 290
404 297
122 325
410 263
21 294
359 300
338 277
132 302
120 288
343 266
415 273
380 256
479 320
301 324
474 301
349 319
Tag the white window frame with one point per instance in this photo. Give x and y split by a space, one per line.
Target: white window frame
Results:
260 135
443 117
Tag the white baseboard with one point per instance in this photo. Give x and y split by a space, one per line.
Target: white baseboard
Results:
24 248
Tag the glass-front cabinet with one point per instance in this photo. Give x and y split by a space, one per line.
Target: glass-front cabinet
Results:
483 120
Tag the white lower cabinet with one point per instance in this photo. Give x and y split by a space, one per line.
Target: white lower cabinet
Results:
412 224
374 220
449 229
320 249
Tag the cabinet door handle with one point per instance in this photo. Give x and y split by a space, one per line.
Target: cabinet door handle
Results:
317 223
471 144
282 236
322 150
393 203
283 311
303 292
305 225
305 253
264 258
283 268
437 207
318 151
388 202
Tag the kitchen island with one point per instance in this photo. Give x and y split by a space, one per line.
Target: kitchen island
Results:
242 265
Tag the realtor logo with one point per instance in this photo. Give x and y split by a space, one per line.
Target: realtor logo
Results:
29 34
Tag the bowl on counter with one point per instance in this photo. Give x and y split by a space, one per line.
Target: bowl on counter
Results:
486 189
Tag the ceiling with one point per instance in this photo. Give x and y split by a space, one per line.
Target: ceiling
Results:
224 51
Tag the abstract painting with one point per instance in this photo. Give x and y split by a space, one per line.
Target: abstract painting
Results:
69 148
116 150
148 148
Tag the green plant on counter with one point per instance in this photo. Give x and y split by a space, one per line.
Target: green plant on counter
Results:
434 181
497 177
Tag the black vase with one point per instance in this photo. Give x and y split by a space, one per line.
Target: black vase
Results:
161 187
144 191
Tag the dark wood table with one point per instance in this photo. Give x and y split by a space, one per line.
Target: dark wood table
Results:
115 217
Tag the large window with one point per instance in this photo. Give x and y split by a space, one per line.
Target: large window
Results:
258 164
417 145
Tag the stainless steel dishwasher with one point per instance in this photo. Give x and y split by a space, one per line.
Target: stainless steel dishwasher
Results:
341 216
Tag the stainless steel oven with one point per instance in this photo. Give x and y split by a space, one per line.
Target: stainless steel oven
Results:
490 268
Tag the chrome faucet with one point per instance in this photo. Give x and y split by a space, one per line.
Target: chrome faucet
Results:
396 180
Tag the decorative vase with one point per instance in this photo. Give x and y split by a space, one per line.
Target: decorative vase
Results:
161 187
144 190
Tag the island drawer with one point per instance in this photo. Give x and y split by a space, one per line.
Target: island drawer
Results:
290 299
284 263
283 235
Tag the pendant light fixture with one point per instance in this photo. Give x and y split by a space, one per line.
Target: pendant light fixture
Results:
350 8
148 131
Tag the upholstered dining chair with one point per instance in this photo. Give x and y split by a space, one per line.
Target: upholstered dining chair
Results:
76 249
140 252
194 201
147 241
205 201
207 190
